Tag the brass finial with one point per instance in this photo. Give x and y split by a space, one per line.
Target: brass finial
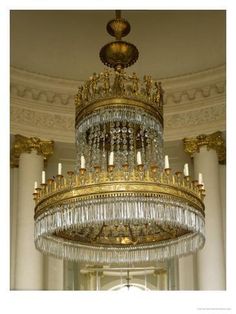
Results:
118 54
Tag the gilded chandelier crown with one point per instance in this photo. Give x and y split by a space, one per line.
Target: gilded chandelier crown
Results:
103 89
122 204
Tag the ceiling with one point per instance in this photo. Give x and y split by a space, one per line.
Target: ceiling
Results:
66 44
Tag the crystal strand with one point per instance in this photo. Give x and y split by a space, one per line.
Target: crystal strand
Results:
142 144
90 144
155 148
98 155
94 148
103 138
131 145
112 139
124 141
118 141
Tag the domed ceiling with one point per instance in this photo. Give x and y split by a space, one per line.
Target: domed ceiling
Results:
66 44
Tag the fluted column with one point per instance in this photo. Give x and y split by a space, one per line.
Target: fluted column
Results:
206 150
30 153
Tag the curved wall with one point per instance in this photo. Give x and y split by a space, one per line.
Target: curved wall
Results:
43 106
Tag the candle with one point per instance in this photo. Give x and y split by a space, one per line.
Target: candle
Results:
186 171
111 159
200 178
139 159
82 160
35 186
59 168
167 166
43 177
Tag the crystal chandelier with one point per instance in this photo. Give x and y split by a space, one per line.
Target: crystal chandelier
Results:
123 204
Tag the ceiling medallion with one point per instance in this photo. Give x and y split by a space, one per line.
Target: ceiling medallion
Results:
122 204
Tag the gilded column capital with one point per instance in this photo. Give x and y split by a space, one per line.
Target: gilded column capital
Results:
25 144
211 141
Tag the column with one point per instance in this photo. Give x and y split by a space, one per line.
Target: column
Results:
186 273
206 150
222 169
31 153
54 274
13 221
161 276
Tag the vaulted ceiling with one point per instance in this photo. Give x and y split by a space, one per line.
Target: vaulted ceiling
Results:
66 44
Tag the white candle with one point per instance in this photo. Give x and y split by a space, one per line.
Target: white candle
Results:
35 186
139 159
59 168
43 177
111 159
200 178
186 170
82 160
167 166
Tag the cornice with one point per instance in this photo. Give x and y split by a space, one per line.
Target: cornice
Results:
44 106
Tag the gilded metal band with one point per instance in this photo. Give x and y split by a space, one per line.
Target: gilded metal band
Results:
113 102
118 189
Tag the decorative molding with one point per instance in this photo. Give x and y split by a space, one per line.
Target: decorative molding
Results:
24 144
44 106
51 90
213 141
195 117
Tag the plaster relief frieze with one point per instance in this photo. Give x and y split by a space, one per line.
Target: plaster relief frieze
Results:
41 95
170 97
195 117
44 120
194 94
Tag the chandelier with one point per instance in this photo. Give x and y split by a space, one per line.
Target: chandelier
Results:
122 204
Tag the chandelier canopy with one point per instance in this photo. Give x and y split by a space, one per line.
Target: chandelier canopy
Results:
122 204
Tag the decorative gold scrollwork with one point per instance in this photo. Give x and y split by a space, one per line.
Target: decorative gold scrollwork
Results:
212 141
25 144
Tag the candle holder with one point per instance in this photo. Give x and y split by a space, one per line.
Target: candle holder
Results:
200 186
71 177
97 173
167 171
141 171
38 190
140 167
38 193
36 196
154 169
97 169
50 184
125 167
126 170
178 174
82 171
203 193
59 178
43 189
111 168
187 178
